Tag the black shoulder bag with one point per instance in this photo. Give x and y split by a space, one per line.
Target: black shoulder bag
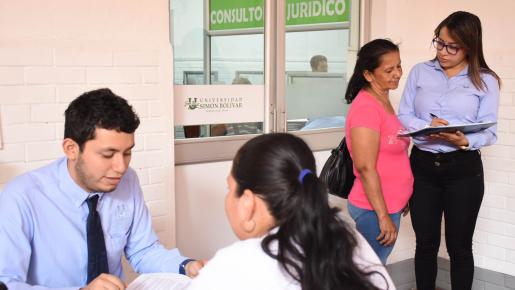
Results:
337 172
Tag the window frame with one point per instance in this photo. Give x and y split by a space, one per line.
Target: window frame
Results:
223 148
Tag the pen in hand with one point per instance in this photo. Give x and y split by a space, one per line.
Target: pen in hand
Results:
433 116
437 121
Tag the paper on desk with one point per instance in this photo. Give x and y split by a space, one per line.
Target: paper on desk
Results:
160 281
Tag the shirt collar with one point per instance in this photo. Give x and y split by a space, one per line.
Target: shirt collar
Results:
436 64
70 187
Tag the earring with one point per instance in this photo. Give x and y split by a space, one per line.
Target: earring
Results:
249 226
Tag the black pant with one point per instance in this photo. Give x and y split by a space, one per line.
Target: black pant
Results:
452 184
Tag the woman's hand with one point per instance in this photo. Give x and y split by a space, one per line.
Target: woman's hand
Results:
388 234
436 122
457 138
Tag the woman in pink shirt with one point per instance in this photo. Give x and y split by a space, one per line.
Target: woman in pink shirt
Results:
384 182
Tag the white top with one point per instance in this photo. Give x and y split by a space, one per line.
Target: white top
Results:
244 265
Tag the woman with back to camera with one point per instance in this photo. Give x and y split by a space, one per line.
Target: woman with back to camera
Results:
456 87
384 181
290 238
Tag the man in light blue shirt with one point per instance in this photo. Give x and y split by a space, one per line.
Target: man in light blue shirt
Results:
43 213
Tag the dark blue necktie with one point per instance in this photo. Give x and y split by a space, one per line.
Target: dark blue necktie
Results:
97 254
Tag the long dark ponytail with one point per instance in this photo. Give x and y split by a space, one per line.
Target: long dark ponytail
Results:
314 245
369 58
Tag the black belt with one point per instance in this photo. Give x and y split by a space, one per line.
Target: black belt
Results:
444 157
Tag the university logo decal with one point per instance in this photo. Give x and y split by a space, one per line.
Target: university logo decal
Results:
191 104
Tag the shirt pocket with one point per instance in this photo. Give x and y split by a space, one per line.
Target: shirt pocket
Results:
120 227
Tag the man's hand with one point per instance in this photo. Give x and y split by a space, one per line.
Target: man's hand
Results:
193 267
106 282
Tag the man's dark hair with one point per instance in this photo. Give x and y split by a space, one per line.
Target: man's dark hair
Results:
315 60
98 109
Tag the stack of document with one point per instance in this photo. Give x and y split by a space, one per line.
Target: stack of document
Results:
160 281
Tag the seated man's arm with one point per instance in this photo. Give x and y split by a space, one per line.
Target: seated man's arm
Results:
16 229
143 250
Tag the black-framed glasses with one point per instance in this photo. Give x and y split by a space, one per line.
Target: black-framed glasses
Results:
451 48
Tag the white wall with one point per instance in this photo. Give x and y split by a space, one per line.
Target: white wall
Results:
411 23
52 51
202 227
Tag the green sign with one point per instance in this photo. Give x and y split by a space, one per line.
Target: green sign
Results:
299 12
240 14
236 14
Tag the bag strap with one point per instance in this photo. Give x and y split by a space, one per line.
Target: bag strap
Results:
342 145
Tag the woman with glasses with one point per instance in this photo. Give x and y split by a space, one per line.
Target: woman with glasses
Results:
456 87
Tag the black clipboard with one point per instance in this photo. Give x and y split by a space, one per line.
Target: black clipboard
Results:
465 128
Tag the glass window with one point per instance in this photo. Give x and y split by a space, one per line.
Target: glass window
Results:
187 40
238 58
214 57
220 45
316 79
